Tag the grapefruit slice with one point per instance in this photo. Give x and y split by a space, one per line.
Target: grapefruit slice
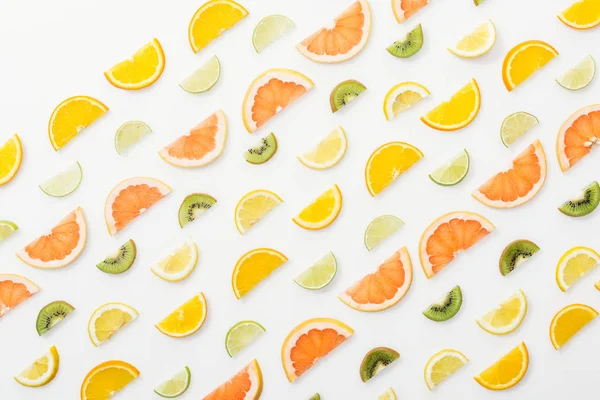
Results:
245 385
130 198
517 185
61 246
270 93
577 136
449 235
201 146
403 9
383 288
310 341
341 39
14 289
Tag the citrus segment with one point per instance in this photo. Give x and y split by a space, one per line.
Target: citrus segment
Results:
71 116
253 206
579 76
14 289
11 155
507 316
269 29
129 134
404 9
577 136
319 275
582 14
140 70
186 319
458 112
443 364
387 163
574 265
516 125
568 321
328 152
176 385
42 371
389 394
401 97
453 171
523 60
108 319
212 19
65 182
179 264
204 78
380 228
476 43
253 267
106 379
7 228
322 211
241 335
247 384
506 372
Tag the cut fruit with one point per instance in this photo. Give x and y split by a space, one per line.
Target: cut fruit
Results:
179 264
584 204
64 183
453 171
140 70
328 152
315 396
401 97
344 93
517 185
106 379
458 112
61 246
212 19
341 39
516 253
262 151
319 275
193 206
253 267
7 228
245 385
577 136
443 364
42 371
14 289
271 92
176 385
506 317
121 260
383 288
11 155
476 43
252 207
478 2
129 134
203 145
446 306
52 314
71 116
241 335
516 125
389 394
108 319
204 78
309 342
387 163
380 228
186 319
523 60
409 45
568 321
579 76
269 29
322 211
574 265
404 9
506 372
377 360
449 235
582 14
131 198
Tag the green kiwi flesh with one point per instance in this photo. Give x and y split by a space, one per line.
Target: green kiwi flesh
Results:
120 261
344 93
315 396
52 314
376 360
446 306
583 204
515 254
194 205
262 151
409 45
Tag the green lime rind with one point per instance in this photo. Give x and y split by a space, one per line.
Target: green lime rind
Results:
65 182
7 228
176 385
319 275
579 76
381 228
129 134
269 29
204 78
452 172
241 335
516 125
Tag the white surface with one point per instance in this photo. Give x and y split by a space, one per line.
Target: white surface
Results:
53 50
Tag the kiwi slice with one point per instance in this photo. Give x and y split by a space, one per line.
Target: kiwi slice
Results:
315 396
409 45
344 93
120 261
515 254
376 360
51 315
583 204
446 306
262 151
194 205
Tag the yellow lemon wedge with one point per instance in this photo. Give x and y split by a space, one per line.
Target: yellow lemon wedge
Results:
108 319
11 155
252 207
42 371
574 264
507 316
179 264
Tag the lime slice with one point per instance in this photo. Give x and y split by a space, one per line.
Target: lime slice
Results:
319 275
380 228
176 385
129 134
315 396
7 228
579 76
516 125
453 171
204 78
64 183
269 29
241 335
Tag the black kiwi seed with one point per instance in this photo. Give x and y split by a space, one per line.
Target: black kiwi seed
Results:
515 254
194 205
52 314
445 307
376 360
121 261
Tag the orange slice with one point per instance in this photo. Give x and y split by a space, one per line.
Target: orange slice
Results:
517 185
245 385
449 235
310 341
14 289
201 146
185 319
61 246
506 372
383 288
582 14
212 19
387 163
271 92
139 71
71 116
129 199
253 267
523 60
403 9
568 321
342 39
458 112
11 155
106 379
577 136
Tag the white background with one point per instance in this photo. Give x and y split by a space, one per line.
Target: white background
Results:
53 50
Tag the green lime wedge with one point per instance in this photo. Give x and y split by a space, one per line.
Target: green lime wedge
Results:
176 385
319 275
63 183
579 76
380 228
269 29
453 171
315 396
204 78
129 134
241 335
7 228
516 125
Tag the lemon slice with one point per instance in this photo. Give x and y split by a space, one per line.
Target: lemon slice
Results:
186 319
453 171
179 264
507 316
176 385
11 155
575 264
269 29
568 321
328 152
516 125
42 371
64 183
507 371
204 78
129 134
380 228
443 364
401 97
322 211
319 275
7 228
476 43
579 76
388 395
252 207
108 319
241 335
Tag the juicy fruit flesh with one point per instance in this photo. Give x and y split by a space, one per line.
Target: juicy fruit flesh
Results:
583 13
328 152
51 315
389 162
204 78
12 294
263 151
445 367
459 111
579 76
479 39
409 7
323 208
380 228
44 367
507 313
59 243
312 346
320 274
515 254
193 206
176 385
120 261
110 322
577 267
525 59
133 201
445 307
129 134
107 379
272 97
212 22
143 66
269 29
580 137
254 208
178 261
198 143
453 171
7 228
516 125
241 335
405 100
507 371
570 321
186 319
9 153
375 361
409 45
584 204
344 93
254 268
71 116
239 385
